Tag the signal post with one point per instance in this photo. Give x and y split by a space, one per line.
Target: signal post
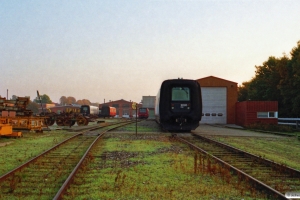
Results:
134 106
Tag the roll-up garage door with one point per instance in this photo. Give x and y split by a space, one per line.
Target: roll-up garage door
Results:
214 105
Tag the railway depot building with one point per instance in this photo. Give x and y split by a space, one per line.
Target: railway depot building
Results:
123 107
219 97
220 105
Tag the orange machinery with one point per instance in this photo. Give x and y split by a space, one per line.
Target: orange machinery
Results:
15 114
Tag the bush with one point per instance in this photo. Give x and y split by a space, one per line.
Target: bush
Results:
270 127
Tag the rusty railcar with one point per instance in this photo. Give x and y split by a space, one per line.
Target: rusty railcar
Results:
67 115
16 114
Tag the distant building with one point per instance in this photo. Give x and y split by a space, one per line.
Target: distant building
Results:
123 107
148 101
47 105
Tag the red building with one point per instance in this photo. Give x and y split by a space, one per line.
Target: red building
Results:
250 112
219 97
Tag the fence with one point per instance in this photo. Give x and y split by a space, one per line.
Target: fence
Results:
290 122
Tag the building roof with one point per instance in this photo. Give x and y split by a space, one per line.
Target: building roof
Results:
213 77
117 102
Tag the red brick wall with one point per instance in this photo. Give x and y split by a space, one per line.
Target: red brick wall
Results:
122 108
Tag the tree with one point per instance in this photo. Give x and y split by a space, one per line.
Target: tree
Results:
71 100
243 91
79 102
63 100
14 97
44 98
285 87
295 80
278 79
33 106
264 85
86 102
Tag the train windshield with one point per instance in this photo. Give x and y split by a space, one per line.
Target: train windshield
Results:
180 94
143 110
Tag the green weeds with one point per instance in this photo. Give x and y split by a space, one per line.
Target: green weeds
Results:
17 151
271 127
284 150
126 167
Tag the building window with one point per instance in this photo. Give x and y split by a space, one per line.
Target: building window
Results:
267 114
262 114
273 115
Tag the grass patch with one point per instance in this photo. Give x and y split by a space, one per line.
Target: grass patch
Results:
14 152
143 126
284 150
128 167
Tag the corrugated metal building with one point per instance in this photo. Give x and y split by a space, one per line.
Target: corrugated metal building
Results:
219 97
148 101
250 112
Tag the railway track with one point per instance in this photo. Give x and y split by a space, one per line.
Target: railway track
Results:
49 174
272 178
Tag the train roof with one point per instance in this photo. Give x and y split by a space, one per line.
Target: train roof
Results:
179 81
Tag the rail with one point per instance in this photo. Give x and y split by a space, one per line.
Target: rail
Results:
49 168
271 192
70 178
290 122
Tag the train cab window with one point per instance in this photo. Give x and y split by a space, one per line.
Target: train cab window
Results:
143 110
180 94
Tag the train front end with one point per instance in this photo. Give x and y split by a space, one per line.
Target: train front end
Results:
85 110
180 105
143 113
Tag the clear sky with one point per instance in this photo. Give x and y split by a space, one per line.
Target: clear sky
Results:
96 50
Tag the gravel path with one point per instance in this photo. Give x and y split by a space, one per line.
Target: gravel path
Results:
205 129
